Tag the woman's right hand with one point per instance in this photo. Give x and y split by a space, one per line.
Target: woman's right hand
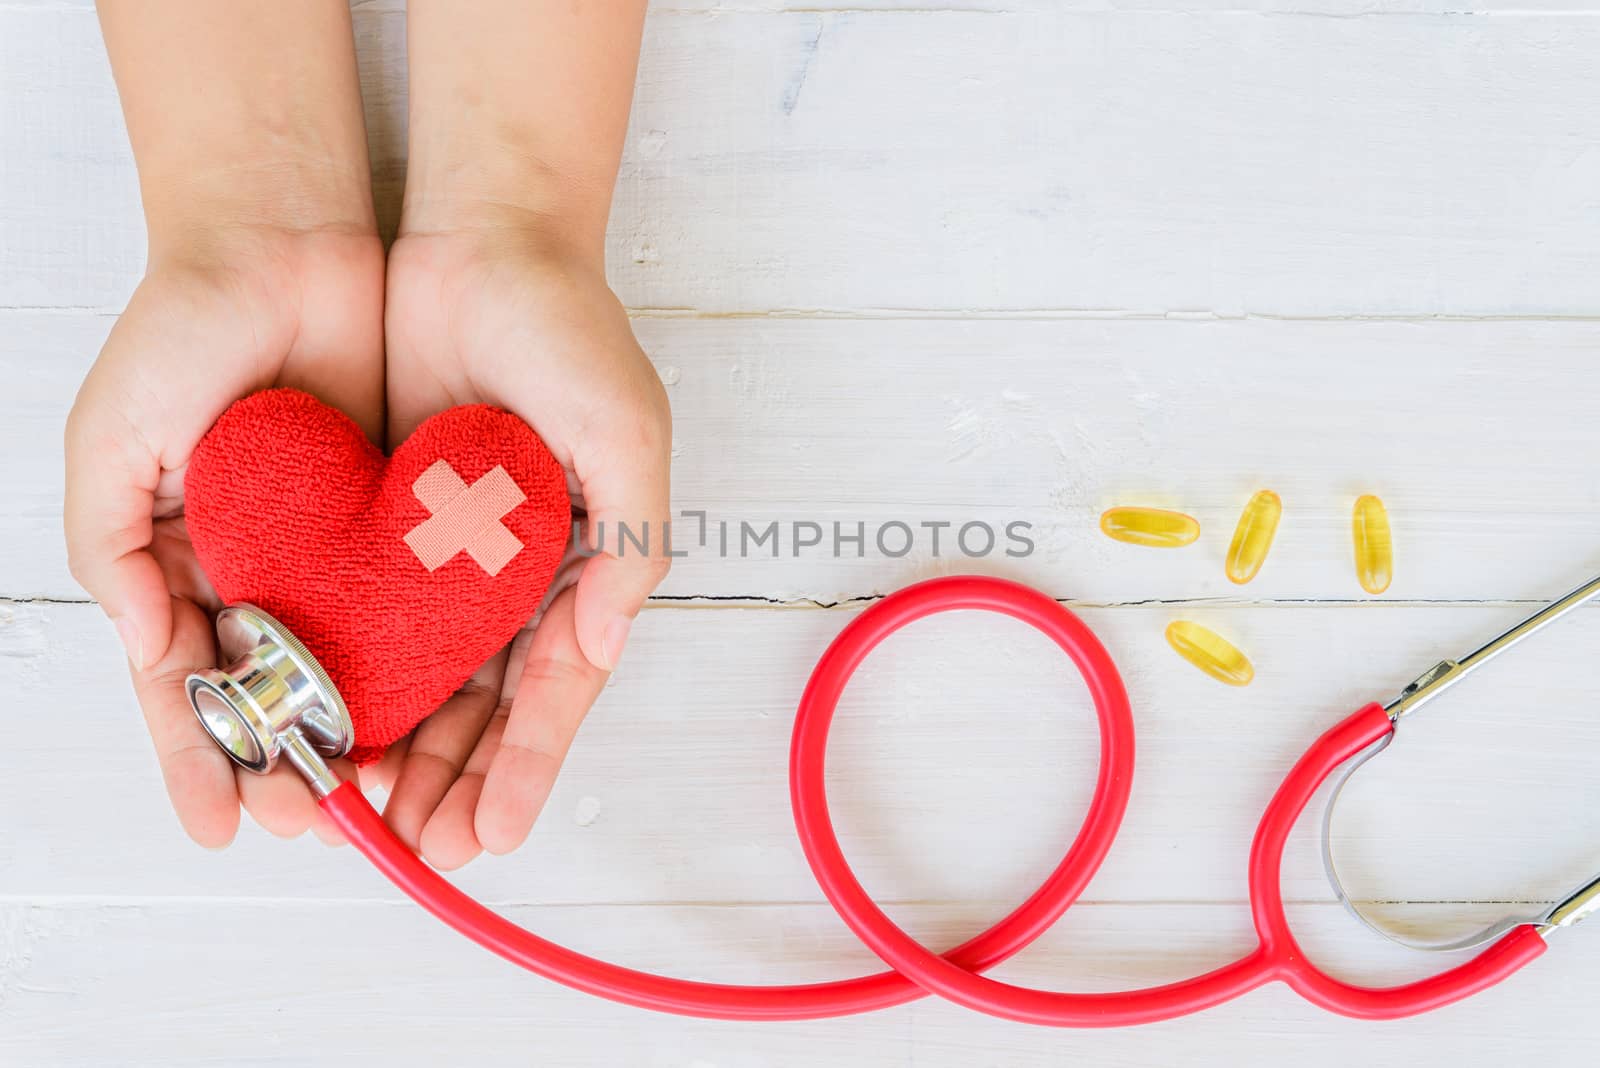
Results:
248 309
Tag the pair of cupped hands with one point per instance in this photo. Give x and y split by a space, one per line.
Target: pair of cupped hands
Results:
440 320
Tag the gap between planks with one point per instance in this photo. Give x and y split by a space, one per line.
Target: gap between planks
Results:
134 901
712 8
753 600
1171 315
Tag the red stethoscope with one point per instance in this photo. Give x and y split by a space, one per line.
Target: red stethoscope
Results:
274 699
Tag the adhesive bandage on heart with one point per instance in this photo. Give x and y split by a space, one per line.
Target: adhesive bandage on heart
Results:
465 519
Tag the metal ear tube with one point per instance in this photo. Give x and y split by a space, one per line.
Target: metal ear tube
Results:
1430 684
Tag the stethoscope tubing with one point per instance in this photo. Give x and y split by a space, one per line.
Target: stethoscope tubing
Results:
956 975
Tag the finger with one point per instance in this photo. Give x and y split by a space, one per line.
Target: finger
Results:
327 831
111 481
557 686
282 803
383 774
449 841
439 749
626 490
198 776
279 801
174 552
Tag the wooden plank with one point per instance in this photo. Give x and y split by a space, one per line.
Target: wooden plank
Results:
1477 434
1043 162
1345 8
362 983
973 202
961 765
44 357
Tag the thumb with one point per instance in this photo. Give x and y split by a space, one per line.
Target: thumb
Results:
628 511
611 591
111 481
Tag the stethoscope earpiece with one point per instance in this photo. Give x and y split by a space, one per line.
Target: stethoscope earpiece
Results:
272 699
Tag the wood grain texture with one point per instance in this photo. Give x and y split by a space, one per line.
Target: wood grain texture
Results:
1344 8
922 262
1046 161
80 987
1235 8
1478 435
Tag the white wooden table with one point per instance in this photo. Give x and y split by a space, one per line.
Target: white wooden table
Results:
967 260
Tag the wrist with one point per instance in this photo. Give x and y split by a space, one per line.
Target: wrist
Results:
242 115
282 264
192 209
459 185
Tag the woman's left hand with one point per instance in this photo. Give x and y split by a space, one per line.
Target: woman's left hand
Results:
493 317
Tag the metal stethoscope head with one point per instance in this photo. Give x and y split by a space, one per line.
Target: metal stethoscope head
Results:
273 699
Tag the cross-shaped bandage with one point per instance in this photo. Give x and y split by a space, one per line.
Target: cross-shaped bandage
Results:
465 518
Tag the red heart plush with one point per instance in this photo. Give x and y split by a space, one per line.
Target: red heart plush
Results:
402 575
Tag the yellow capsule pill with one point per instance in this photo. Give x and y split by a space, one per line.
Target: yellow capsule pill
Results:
1210 652
1252 538
1374 544
1150 526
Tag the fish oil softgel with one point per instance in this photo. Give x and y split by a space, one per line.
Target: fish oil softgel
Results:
1374 544
1252 538
1210 652
1155 527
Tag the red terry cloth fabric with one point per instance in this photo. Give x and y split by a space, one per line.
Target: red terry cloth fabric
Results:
291 509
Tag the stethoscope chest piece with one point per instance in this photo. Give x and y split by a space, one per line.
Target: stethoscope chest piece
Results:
273 698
